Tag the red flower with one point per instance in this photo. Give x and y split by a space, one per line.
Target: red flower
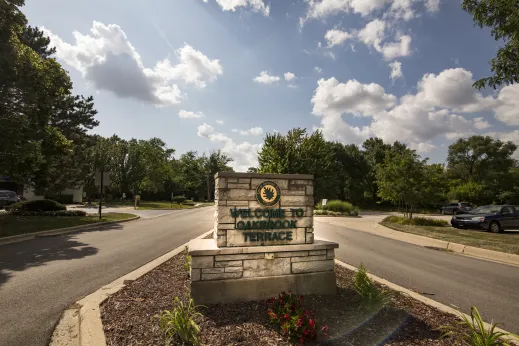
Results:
302 340
305 332
286 316
311 323
275 316
324 329
299 322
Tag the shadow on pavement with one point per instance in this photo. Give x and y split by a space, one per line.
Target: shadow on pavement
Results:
39 251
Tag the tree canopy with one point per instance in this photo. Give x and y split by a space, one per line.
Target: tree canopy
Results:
502 16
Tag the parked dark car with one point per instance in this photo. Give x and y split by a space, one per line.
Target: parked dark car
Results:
8 197
456 208
493 218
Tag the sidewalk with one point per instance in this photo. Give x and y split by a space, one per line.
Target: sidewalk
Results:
370 224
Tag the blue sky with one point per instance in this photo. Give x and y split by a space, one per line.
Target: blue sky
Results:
219 74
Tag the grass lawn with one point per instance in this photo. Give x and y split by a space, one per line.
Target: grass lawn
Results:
14 225
504 242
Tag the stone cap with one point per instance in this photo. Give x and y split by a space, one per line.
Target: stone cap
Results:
264 176
207 247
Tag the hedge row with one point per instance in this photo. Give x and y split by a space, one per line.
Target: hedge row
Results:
416 221
39 205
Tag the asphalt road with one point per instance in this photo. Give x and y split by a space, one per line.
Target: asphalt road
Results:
40 278
451 279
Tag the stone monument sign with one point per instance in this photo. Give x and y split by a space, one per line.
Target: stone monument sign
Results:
263 241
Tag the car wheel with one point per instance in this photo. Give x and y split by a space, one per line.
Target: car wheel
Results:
495 227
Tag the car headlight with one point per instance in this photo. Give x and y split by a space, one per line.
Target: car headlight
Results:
479 218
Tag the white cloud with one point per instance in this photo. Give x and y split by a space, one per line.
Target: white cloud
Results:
318 69
396 70
402 9
108 60
254 131
220 122
292 86
397 49
432 5
329 55
334 98
512 136
336 37
319 44
188 114
265 78
323 8
480 123
244 154
289 76
255 5
422 147
373 34
417 119
205 130
507 110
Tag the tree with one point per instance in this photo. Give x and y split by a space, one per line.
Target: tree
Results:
374 154
44 127
299 153
214 163
252 170
503 17
402 178
483 164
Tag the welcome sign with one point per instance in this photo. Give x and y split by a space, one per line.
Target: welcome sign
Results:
256 209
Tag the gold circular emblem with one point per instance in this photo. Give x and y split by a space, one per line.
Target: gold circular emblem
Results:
268 193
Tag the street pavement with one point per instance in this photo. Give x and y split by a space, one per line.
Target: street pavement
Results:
144 214
40 278
455 280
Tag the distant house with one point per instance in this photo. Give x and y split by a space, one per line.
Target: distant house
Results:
72 195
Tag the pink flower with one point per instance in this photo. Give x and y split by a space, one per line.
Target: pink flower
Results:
311 323
286 316
302 340
299 322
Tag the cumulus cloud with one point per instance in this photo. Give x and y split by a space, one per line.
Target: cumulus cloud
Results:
436 110
334 98
373 35
220 122
396 70
254 131
244 154
507 110
402 9
106 58
188 114
397 49
289 76
265 78
336 37
480 123
254 5
512 136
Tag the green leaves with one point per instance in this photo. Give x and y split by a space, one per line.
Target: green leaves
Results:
180 322
371 297
474 333
503 17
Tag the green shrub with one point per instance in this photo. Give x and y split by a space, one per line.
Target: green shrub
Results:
48 213
63 199
474 333
180 322
417 221
40 205
188 202
339 206
371 297
178 199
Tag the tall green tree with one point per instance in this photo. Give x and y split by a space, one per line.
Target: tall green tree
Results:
374 150
502 16
215 162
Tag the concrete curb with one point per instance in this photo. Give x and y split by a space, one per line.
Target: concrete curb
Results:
420 298
59 231
383 231
81 324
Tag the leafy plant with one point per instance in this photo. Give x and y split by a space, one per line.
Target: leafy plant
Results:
180 322
286 311
187 263
178 199
38 205
473 331
417 221
372 298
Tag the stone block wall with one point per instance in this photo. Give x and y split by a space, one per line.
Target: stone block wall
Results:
257 265
238 190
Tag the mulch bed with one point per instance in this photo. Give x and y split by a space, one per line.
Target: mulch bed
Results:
128 315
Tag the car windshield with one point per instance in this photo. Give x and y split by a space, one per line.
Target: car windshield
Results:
486 209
